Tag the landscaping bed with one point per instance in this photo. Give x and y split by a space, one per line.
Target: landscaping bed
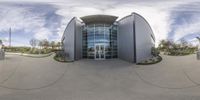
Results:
31 55
60 59
150 61
61 56
27 50
179 53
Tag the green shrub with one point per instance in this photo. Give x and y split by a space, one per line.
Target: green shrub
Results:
27 50
61 56
180 52
154 51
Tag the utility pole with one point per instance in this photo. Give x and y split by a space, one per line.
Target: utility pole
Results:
10 37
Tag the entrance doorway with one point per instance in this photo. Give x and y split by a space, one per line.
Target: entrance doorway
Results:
99 52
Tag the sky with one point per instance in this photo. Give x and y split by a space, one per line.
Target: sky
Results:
47 19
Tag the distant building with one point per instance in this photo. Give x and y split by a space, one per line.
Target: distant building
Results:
102 37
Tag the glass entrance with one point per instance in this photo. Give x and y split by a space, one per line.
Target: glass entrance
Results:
99 52
104 35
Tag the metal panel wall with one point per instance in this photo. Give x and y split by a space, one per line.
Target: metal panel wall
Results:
144 38
126 38
69 39
78 40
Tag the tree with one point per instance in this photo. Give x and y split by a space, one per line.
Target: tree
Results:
40 44
45 43
59 45
165 45
33 43
184 43
52 44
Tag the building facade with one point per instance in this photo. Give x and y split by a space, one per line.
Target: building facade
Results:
101 37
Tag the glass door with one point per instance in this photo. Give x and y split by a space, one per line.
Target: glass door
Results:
99 52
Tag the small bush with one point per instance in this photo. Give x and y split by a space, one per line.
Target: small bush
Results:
154 51
61 56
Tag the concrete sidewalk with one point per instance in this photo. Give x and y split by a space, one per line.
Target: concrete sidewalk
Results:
23 78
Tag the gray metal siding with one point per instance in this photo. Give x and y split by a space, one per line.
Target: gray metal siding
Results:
126 39
69 42
78 40
143 38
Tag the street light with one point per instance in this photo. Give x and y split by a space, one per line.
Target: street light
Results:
1 44
199 43
2 53
198 52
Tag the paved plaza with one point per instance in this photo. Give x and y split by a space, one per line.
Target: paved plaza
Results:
26 78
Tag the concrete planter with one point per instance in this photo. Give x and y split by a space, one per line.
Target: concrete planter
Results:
198 55
2 54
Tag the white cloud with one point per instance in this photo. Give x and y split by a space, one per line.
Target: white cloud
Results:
21 18
187 28
42 33
156 12
160 25
194 42
11 18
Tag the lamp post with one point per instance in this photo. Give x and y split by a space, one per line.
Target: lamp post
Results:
198 52
2 54
1 44
10 37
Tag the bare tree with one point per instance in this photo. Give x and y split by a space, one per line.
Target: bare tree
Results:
45 43
165 45
40 44
33 43
59 45
52 44
184 43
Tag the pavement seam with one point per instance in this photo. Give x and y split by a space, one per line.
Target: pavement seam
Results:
12 74
45 86
159 86
190 78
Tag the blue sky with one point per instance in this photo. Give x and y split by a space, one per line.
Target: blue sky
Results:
47 19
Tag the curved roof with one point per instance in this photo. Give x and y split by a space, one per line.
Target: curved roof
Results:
153 36
108 19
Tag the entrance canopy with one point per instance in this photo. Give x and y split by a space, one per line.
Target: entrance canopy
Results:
106 19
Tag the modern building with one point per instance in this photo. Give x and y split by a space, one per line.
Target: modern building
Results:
104 37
